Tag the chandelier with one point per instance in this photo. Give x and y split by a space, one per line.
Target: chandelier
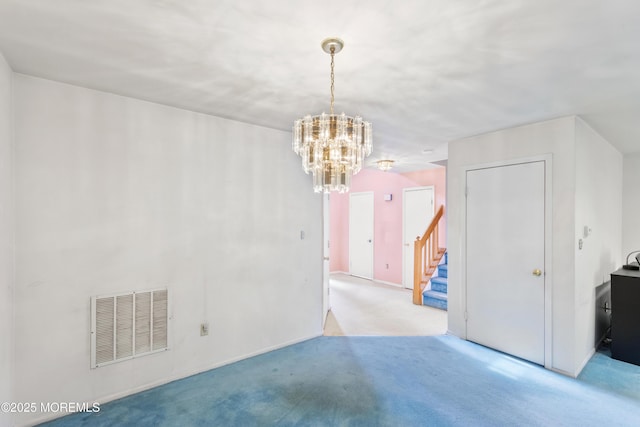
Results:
332 146
385 165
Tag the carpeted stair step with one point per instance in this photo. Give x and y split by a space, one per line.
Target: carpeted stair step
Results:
434 299
443 270
439 284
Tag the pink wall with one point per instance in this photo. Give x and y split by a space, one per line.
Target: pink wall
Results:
387 218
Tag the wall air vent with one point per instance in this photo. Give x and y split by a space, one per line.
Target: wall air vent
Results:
128 325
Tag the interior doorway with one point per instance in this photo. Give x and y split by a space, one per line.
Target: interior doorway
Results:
417 213
361 234
326 233
506 218
360 306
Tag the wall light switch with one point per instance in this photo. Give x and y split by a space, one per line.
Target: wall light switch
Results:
388 197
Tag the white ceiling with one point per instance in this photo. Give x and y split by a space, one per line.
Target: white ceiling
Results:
423 72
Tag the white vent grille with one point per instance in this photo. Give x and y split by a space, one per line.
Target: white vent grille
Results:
128 325
143 320
159 337
102 341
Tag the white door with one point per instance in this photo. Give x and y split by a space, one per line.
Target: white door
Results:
505 242
361 234
417 213
326 232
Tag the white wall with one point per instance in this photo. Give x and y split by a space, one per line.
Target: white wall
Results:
631 205
557 138
598 205
587 182
117 194
6 239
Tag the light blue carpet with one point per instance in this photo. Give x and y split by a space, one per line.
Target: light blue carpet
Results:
612 375
371 381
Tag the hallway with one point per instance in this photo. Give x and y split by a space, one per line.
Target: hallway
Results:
364 307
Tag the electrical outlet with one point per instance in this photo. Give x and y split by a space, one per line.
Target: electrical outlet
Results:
204 329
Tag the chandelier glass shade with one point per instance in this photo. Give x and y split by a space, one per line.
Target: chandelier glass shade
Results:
332 146
385 165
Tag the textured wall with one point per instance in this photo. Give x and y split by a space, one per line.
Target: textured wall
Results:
599 207
117 194
631 204
6 239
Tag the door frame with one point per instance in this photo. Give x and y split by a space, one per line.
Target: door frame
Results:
326 253
548 225
373 229
433 211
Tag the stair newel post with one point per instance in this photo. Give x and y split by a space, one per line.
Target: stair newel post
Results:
417 270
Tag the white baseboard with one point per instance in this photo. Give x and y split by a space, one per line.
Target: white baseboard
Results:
561 372
180 375
397 285
585 361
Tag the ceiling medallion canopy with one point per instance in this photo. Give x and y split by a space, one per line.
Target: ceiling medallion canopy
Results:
332 146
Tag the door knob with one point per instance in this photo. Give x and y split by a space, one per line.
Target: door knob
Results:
537 272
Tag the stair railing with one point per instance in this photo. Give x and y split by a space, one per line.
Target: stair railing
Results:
426 255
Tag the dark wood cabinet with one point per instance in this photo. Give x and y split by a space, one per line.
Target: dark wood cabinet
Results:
625 316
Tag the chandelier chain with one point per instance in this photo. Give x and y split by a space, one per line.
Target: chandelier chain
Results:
333 51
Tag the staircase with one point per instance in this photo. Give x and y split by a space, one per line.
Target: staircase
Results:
427 255
436 295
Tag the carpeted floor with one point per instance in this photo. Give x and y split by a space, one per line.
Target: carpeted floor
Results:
365 307
373 381
613 375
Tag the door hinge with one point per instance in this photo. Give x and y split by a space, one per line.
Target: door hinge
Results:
466 315
466 191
